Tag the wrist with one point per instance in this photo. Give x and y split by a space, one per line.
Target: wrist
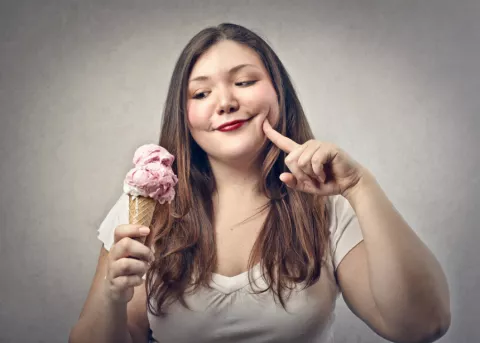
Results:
113 301
365 182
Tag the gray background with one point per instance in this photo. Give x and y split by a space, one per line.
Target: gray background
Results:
394 83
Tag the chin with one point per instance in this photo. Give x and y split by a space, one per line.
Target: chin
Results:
238 153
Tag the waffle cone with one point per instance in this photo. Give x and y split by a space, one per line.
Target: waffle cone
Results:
140 211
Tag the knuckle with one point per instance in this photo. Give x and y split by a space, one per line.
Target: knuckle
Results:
303 162
126 244
113 272
140 269
123 282
125 266
112 252
137 268
117 283
317 161
118 233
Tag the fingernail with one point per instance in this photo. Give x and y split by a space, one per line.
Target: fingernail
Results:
144 230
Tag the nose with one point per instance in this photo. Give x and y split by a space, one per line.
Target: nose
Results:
227 103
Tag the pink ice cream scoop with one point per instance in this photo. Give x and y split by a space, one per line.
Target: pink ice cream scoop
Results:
152 176
150 153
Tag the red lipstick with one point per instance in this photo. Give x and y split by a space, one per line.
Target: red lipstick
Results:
231 125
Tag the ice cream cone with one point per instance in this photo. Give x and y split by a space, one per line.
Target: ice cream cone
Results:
151 181
141 211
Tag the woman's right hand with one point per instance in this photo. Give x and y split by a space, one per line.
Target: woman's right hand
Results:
128 261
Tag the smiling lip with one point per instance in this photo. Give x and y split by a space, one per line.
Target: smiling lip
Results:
231 125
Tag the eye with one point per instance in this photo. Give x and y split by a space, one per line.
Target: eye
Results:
200 96
245 83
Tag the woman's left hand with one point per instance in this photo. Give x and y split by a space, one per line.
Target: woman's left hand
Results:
316 167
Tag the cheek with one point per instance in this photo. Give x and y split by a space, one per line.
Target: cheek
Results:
264 101
274 112
197 115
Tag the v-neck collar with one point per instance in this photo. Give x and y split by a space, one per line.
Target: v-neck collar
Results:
230 284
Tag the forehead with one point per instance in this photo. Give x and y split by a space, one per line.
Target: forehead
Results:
223 56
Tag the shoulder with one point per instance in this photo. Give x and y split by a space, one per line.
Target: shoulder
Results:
338 210
345 232
117 215
119 211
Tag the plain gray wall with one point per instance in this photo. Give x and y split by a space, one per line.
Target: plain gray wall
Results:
394 83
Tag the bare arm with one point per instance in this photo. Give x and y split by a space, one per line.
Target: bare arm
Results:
101 320
392 280
105 319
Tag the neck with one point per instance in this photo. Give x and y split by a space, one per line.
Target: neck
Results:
237 182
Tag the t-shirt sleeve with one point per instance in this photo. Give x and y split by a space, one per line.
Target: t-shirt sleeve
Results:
116 216
345 232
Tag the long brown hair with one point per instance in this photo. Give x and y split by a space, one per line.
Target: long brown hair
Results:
294 236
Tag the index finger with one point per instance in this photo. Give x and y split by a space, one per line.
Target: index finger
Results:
130 230
282 142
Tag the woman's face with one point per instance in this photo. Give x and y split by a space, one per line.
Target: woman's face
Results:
230 83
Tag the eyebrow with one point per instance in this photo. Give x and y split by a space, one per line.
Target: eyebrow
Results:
231 71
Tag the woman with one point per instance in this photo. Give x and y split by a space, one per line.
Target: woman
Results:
267 228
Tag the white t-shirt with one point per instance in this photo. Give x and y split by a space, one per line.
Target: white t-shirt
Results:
230 312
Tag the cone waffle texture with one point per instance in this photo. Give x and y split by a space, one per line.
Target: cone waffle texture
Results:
140 210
